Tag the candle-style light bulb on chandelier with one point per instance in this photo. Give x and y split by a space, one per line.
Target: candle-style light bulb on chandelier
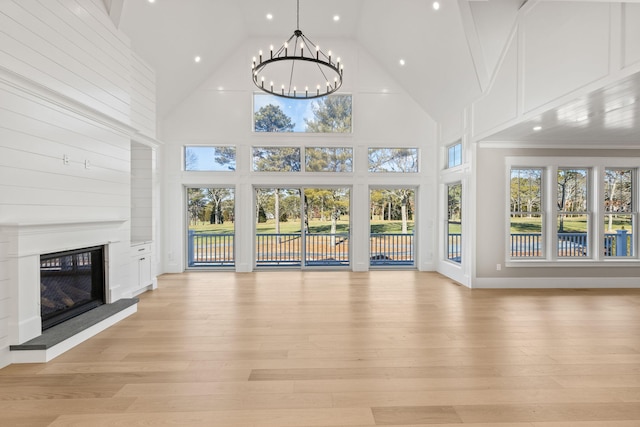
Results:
299 69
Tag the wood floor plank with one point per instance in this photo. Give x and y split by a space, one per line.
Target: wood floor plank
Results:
415 415
336 348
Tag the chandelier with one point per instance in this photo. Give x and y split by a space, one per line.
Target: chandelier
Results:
298 69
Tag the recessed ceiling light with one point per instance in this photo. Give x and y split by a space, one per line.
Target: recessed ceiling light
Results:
336 18
537 128
152 1
402 62
269 16
197 59
436 5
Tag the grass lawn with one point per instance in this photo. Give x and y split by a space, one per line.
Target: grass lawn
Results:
294 227
571 224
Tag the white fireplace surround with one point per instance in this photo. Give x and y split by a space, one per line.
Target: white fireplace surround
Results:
26 242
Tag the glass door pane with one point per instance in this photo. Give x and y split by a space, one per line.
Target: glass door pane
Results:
211 227
326 223
392 213
454 222
278 227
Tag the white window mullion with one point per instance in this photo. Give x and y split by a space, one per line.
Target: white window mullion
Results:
551 208
597 214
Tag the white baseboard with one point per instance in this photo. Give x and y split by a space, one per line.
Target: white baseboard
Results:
556 283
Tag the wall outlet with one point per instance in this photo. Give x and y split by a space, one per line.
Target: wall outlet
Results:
87 164
498 267
65 159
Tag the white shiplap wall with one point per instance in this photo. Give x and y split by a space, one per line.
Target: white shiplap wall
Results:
143 97
141 192
70 88
70 47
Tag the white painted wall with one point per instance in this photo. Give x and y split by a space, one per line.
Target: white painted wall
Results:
557 52
631 18
560 51
66 79
220 112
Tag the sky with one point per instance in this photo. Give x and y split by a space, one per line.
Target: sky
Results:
297 109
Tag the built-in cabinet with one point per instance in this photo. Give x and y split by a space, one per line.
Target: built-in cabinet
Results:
143 208
141 267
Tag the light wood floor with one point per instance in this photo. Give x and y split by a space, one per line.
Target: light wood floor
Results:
344 349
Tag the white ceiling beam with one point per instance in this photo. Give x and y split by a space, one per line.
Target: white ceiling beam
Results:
114 7
475 47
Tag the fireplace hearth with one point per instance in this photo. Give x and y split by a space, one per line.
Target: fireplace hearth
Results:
71 283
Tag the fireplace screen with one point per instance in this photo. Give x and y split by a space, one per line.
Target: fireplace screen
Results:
71 283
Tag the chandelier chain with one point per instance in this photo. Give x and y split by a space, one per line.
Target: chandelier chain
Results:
297 49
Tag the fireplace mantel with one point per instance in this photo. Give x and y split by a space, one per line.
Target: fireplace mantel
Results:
27 241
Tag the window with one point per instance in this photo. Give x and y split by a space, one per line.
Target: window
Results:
526 237
454 155
404 160
211 159
328 114
328 159
276 159
620 212
572 213
583 212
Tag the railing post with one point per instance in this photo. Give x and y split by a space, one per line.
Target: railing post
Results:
621 243
190 243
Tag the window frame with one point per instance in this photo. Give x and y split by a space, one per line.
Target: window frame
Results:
596 167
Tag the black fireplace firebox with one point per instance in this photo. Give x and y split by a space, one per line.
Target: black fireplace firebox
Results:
71 283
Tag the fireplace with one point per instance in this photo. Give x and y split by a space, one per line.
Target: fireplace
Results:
71 283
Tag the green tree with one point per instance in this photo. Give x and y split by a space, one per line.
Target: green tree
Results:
276 159
196 202
271 118
216 196
404 160
330 114
226 156
329 159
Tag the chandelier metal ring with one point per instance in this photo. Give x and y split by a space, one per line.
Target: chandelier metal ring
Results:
322 75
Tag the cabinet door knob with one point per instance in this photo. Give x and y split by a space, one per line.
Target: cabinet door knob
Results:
142 259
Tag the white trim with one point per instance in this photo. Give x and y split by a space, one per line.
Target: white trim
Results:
556 283
44 93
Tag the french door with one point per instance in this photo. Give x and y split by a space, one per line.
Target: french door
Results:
302 227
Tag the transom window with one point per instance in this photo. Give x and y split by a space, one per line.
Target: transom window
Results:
276 159
329 159
454 155
403 160
209 158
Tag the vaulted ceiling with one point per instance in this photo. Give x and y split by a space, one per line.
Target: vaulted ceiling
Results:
449 52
